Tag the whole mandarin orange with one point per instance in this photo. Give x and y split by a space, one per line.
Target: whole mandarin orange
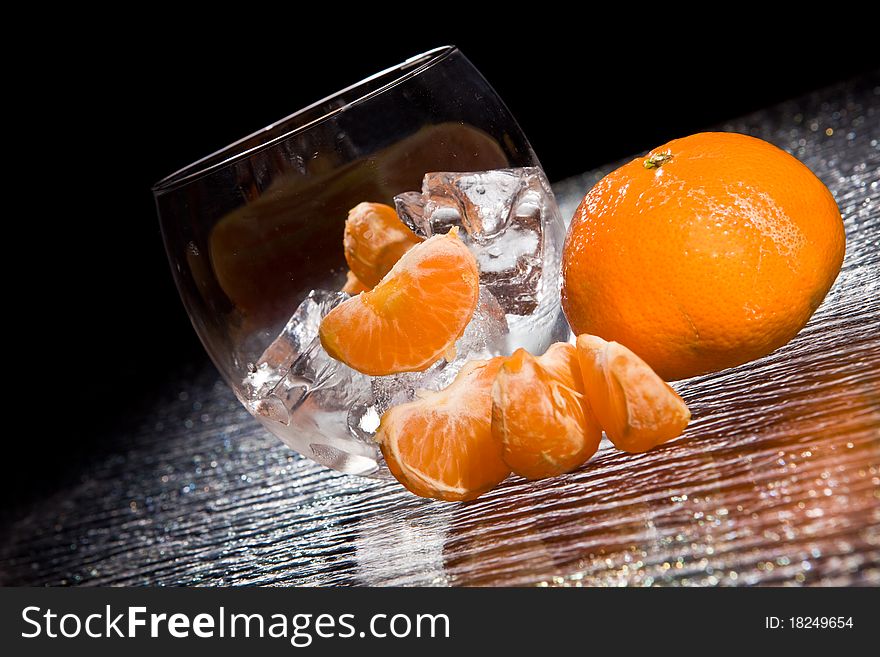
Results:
711 251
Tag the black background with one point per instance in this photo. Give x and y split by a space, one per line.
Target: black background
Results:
111 107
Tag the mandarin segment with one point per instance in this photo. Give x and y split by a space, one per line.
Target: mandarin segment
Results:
374 240
413 316
441 444
561 362
635 407
545 427
353 284
710 251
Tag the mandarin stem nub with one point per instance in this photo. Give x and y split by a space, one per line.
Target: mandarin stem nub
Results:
657 160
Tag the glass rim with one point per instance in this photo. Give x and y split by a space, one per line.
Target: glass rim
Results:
408 69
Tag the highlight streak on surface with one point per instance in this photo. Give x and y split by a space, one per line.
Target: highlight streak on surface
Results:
777 480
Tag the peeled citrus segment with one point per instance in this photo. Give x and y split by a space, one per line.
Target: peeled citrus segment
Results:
413 316
635 407
561 362
375 239
545 427
353 284
441 445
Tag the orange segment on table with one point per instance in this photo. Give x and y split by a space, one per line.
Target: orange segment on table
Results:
636 408
545 427
441 445
561 362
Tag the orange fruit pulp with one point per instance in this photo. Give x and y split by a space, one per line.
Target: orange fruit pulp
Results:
711 251
353 285
441 444
635 407
413 316
561 362
374 240
545 426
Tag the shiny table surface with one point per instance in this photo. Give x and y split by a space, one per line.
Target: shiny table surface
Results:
776 481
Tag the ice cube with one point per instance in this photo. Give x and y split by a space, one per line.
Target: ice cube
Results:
510 222
294 339
410 208
304 396
481 201
484 337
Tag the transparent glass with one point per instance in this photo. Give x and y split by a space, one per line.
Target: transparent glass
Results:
256 228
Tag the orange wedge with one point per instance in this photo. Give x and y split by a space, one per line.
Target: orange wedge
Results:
375 239
561 362
545 427
353 284
441 445
636 408
413 316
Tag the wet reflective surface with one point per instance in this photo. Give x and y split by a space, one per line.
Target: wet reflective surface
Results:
776 481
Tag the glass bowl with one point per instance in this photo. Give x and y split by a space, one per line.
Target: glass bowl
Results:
254 236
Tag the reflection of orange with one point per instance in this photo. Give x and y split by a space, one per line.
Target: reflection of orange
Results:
713 250
441 444
375 239
413 316
546 427
449 146
268 254
636 408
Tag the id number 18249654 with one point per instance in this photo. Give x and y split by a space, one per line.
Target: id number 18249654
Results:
809 622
